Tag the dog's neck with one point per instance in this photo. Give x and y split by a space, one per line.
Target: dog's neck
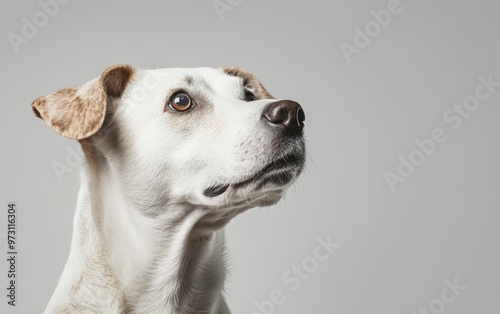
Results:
126 261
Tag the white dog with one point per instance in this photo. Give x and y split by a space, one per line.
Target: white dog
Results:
172 156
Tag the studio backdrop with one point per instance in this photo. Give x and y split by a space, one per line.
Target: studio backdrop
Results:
398 208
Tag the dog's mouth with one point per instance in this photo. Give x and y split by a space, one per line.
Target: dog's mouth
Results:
278 173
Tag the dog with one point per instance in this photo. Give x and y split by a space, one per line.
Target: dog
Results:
172 155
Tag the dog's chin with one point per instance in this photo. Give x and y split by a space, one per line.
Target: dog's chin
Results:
251 194
264 187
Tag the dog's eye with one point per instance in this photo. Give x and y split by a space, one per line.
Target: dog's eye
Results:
249 96
180 102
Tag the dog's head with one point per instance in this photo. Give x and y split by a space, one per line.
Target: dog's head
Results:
207 137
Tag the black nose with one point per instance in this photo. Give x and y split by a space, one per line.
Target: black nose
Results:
287 115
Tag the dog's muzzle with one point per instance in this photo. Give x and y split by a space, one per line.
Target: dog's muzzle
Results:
286 118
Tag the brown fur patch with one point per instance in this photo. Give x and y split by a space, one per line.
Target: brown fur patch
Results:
79 112
115 79
249 80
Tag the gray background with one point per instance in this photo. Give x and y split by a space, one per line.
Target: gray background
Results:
397 248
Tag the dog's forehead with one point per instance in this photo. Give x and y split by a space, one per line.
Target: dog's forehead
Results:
211 78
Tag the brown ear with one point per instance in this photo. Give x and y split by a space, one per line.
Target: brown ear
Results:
79 112
249 80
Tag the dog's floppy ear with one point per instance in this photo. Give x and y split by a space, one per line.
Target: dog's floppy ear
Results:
79 112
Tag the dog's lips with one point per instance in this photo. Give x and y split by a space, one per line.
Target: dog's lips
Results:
216 190
275 172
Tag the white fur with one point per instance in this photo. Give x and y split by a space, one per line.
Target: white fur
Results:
146 239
